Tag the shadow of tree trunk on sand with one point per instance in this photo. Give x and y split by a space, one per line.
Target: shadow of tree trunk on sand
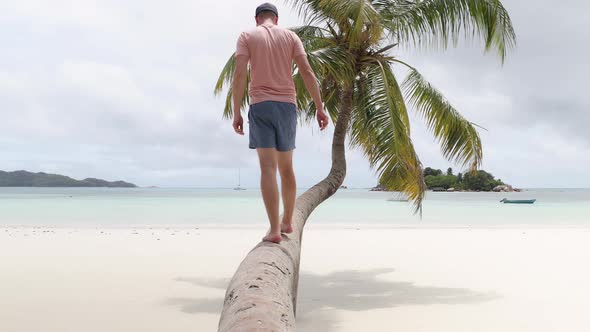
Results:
350 290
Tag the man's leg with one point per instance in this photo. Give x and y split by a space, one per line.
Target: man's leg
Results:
288 188
270 191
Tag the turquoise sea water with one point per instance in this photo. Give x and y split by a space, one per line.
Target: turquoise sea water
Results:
81 207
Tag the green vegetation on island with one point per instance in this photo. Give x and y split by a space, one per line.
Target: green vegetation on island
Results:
480 180
471 181
28 179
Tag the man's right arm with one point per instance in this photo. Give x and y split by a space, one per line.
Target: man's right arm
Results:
312 86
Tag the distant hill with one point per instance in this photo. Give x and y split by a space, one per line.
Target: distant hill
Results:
28 179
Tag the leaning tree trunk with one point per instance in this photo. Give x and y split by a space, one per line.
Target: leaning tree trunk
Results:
262 294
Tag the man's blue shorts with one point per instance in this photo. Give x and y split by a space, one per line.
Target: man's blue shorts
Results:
272 124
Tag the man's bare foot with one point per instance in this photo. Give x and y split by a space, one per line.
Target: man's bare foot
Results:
286 228
273 237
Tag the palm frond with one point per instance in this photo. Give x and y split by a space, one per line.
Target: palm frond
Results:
314 37
310 10
226 76
305 103
358 20
225 79
459 139
366 28
380 127
332 65
437 23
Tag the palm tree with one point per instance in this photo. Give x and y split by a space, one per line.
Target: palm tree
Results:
348 44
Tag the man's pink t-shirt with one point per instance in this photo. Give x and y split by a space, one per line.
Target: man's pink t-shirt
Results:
271 50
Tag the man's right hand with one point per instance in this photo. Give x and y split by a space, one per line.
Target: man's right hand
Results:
322 119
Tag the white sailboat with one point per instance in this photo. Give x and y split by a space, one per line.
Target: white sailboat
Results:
239 182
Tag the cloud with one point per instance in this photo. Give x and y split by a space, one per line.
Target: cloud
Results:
123 90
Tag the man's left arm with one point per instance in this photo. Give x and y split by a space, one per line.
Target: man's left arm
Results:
238 90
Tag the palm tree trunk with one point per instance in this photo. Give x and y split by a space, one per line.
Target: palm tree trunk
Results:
262 294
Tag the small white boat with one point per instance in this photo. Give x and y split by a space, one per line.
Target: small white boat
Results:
239 182
399 198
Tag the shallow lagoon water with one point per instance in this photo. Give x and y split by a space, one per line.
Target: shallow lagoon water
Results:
218 207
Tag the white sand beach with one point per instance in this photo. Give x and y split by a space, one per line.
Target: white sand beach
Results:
352 279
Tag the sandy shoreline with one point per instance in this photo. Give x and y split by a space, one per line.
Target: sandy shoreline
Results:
316 226
366 279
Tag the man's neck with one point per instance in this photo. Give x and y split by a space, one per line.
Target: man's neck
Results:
267 22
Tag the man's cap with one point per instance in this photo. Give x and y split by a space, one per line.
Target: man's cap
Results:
267 7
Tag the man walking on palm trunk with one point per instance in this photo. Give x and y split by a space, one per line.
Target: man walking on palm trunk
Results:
272 117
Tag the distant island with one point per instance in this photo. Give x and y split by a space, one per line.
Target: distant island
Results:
28 179
481 180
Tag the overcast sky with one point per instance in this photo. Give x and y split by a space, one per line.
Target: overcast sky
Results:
124 90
